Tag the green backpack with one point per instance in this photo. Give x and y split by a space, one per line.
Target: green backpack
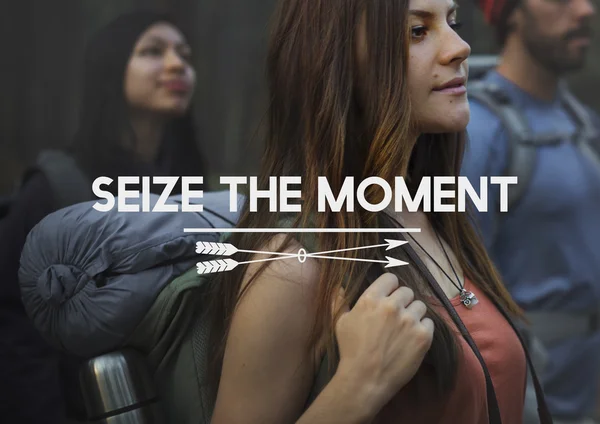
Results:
173 337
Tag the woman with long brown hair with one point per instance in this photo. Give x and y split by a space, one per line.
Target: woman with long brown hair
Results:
358 89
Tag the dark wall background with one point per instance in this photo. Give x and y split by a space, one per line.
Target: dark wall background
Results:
42 43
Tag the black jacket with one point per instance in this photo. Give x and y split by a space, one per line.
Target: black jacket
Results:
30 387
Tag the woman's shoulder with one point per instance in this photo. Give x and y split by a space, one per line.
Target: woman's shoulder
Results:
293 268
279 296
269 339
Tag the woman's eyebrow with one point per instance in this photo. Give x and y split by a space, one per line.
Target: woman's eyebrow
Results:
161 41
425 14
156 40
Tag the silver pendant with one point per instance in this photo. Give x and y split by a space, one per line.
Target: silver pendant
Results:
468 299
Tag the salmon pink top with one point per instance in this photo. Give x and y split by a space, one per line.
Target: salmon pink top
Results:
467 403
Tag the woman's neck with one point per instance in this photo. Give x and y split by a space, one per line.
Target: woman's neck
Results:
148 131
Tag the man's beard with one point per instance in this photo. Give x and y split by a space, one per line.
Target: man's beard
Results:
552 52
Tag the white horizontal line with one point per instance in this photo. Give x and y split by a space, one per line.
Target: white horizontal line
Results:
301 230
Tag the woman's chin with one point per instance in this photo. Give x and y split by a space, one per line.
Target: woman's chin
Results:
447 118
447 124
173 111
458 125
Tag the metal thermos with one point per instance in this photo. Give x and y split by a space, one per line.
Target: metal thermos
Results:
117 388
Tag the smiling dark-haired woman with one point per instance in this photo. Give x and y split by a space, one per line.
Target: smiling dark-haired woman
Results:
135 119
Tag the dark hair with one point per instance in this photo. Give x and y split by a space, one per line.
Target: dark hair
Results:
317 127
98 143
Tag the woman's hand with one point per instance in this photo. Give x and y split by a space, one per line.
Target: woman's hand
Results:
383 339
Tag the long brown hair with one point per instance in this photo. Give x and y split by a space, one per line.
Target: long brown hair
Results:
318 127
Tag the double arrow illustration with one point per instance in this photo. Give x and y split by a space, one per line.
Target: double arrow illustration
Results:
227 249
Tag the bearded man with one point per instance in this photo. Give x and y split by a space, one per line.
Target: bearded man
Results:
525 122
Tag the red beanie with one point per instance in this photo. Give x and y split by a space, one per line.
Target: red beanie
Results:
493 10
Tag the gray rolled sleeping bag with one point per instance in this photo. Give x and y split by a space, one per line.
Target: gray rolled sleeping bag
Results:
88 278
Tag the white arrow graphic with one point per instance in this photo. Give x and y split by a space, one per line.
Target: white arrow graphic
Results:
390 262
395 243
228 249
388 242
222 265
219 265
220 249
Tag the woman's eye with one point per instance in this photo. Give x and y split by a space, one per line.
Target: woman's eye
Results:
152 51
419 31
185 55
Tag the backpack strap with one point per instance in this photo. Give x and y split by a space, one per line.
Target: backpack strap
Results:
578 111
521 150
522 143
69 184
492 401
588 136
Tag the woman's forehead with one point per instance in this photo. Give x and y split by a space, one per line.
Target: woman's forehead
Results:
433 6
163 32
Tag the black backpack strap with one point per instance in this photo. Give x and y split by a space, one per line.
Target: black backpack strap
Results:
579 113
69 184
543 411
521 149
492 401
588 137
522 143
